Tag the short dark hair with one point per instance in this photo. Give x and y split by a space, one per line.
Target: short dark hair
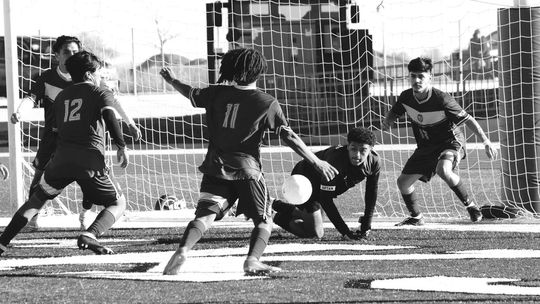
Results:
248 66
362 136
60 41
82 62
420 64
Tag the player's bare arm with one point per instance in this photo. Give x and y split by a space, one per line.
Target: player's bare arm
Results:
26 102
4 172
296 143
490 149
170 78
133 129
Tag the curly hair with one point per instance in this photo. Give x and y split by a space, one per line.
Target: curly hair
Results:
62 40
243 65
362 136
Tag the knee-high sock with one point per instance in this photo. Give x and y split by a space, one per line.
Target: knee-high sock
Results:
461 192
411 201
193 233
16 224
257 242
104 220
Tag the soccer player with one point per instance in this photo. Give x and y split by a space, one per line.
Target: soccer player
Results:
81 113
43 93
4 171
436 118
237 116
355 162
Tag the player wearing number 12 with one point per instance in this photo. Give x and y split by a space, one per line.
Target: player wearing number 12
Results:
237 116
82 112
436 118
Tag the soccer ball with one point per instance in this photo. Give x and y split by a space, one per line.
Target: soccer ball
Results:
169 202
296 189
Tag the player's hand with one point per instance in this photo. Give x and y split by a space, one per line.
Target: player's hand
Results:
491 151
386 124
362 235
15 117
167 74
135 132
4 172
122 157
358 235
326 170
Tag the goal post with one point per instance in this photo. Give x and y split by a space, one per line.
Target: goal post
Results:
519 30
16 197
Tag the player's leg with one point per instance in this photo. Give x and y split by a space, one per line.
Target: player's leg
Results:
405 183
86 217
104 191
214 201
48 188
448 160
304 221
254 202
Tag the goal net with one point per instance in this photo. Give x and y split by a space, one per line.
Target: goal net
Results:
333 65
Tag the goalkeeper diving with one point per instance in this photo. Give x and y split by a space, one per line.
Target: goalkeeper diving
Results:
356 161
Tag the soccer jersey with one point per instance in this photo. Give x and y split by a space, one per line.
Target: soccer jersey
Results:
237 119
435 120
79 123
349 176
44 91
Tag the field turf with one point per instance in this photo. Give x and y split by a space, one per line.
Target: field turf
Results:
46 267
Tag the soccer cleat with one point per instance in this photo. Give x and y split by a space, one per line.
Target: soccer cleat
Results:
88 241
175 263
474 213
411 221
254 267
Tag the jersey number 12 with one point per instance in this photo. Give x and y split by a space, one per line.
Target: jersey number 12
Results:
72 110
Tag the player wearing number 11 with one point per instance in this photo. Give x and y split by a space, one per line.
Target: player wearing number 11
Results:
237 115
435 118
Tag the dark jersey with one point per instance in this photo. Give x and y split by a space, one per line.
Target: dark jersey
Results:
435 120
79 122
45 90
349 176
237 119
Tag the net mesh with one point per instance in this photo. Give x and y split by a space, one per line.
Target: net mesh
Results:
333 65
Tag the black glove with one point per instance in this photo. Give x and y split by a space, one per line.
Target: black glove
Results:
358 235
365 223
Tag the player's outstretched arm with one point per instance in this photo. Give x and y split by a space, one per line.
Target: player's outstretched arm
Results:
25 103
4 172
170 78
490 149
133 129
296 143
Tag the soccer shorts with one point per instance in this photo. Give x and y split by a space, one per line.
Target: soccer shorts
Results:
424 159
47 145
218 195
96 186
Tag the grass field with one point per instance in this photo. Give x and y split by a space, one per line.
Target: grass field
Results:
474 264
